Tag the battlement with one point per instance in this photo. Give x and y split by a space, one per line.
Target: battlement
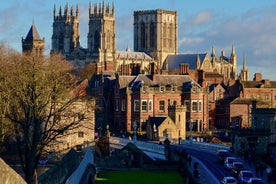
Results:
65 15
101 10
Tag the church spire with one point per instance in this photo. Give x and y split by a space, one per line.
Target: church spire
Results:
197 62
54 11
244 63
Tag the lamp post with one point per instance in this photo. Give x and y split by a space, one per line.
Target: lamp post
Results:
154 132
134 131
191 125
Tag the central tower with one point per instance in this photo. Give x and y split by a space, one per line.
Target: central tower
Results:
155 32
101 37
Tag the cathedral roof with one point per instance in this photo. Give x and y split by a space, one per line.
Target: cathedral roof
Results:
32 34
132 55
173 61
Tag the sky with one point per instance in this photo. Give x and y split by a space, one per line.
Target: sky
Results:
248 25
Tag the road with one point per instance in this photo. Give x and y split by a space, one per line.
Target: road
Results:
208 158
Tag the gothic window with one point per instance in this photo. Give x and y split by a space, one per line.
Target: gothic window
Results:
170 36
152 35
60 42
108 40
123 104
143 35
165 35
96 41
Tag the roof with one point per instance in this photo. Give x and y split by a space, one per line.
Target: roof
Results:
173 61
132 55
258 84
157 120
32 34
242 101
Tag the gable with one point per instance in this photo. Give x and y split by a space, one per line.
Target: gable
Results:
206 65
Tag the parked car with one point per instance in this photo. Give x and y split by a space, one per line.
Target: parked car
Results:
244 176
222 154
228 162
255 181
229 180
236 168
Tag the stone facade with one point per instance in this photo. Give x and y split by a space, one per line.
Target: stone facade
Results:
33 43
155 32
80 136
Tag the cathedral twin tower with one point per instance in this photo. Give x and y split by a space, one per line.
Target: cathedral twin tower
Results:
155 33
155 38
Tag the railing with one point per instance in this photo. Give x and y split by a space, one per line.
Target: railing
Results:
78 173
146 146
159 149
210 146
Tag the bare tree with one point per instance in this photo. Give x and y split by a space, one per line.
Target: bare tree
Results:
40 92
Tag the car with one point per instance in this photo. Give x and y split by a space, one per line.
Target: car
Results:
229 180
222 154
228 162
255 181
244 176
236 168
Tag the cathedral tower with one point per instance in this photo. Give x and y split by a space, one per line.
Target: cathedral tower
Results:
244 71
33 43
101 37
65 36
155 32
233 61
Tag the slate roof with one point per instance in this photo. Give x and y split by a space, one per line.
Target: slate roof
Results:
132 55
157 120
162 80
32 34
173 61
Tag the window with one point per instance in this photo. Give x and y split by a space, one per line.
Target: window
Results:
173 102
123 105
144 106
187 103
162 89
117 105
194 106
80 134
275 97
136 106
162 106
199 106
150 105
143 35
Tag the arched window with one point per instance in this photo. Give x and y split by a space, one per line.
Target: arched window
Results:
143 35
152 35
165 36
96 40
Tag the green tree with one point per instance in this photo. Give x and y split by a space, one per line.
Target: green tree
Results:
39 91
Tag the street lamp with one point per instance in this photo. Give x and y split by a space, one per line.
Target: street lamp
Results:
134 131
154 132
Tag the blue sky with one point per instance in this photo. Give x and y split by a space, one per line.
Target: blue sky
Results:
249 25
